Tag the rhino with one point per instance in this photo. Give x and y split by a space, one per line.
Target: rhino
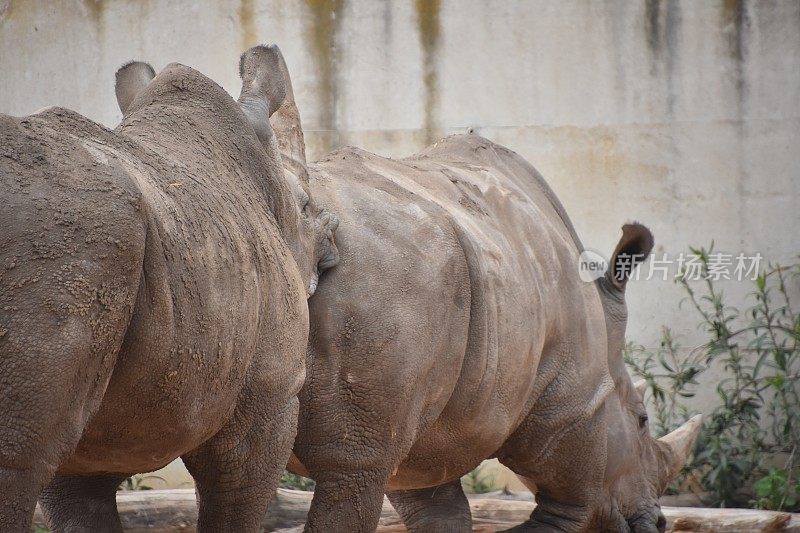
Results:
456 328
153 298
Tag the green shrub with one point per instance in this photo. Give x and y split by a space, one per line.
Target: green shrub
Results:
295 482
775 491
139 482
756 421
476 482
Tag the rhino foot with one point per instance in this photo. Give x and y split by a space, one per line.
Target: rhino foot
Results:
83 503
440 509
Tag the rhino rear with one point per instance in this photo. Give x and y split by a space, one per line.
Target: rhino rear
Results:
72 233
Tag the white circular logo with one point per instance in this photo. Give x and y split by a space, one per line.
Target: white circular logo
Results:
591 265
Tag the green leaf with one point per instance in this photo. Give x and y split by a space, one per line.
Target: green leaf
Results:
780 358
777 381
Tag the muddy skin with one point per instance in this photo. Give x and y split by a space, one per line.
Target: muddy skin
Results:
456 328
153 287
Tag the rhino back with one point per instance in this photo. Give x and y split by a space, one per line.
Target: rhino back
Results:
521 255
220 289
216 288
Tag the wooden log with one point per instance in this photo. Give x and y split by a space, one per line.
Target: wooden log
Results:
703 519
171 511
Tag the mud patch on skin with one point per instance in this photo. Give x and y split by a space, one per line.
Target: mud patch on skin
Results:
470 194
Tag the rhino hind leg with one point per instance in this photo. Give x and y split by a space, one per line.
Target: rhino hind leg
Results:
49 391
55 362
441 509
82 503
346 502
237 471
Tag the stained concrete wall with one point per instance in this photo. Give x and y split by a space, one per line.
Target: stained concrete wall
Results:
684 115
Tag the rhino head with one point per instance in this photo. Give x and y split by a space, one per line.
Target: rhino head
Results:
638 466
308 229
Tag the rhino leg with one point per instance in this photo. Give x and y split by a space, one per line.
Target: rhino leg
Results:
49 390
78 504
347 502
237 471
552 517
565 474
442 509
564 508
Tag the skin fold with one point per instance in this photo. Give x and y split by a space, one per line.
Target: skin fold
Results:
456 328
153 299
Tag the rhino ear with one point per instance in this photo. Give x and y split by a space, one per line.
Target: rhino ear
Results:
632 249
262 76
288 128
131 77
263 90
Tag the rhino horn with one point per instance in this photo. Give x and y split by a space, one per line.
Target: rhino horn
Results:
679 444
640 387
131 78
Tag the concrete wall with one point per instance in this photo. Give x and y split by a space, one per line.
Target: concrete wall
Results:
684 115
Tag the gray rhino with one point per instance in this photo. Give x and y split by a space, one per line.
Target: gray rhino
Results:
456 328
153 299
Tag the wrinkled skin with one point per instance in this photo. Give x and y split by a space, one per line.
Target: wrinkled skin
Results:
153 285
456 328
